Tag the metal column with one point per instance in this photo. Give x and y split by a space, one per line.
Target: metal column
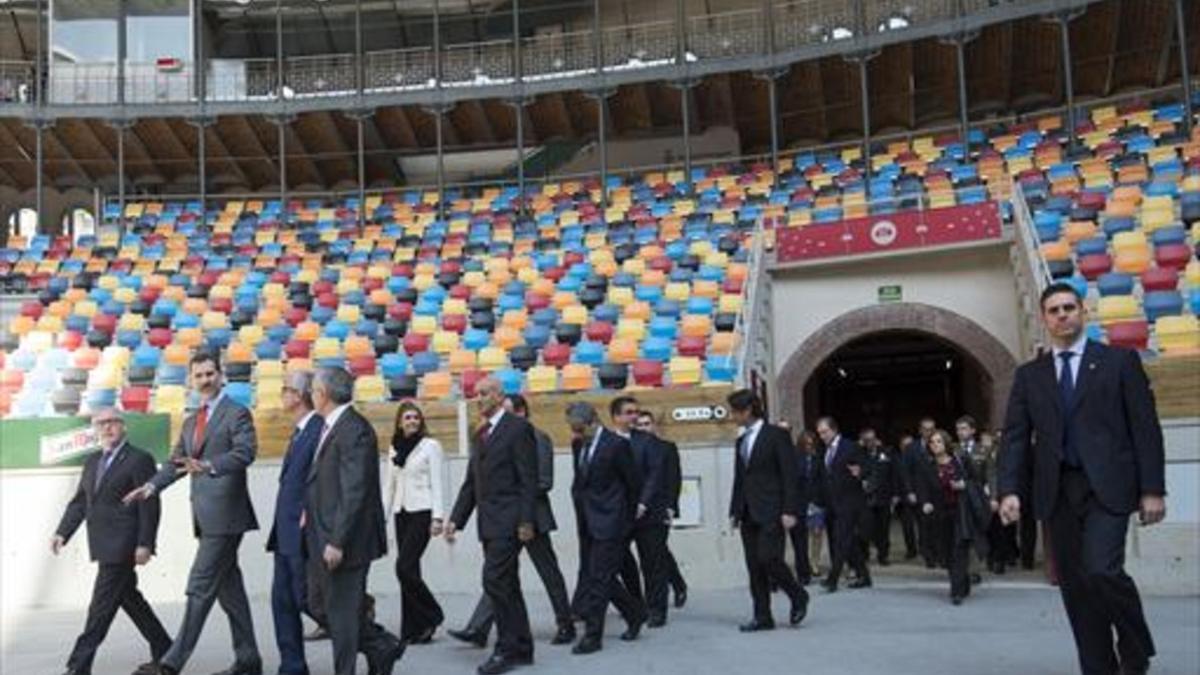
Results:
200 67
773 116
960 49
39 154
120 125
601 102
1184 67
1064 31
866 115
438 109
359 84
684 92
281 120
519 106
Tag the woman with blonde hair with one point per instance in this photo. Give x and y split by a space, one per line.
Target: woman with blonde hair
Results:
416 475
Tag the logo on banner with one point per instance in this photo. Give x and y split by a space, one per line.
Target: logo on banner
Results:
700 413
884 233
57 448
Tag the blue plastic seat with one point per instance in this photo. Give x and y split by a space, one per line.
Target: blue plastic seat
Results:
1162 303
1115 283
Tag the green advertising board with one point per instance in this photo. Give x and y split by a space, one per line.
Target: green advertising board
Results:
65 441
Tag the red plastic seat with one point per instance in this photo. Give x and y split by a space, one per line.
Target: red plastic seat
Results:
471 379
557 354
159 337
329 300
1092 266
1129 334
135 399
599 331
1160 279
222 305
691 345
361 366
732 286
71 340
454 322
295 316
401 311
1174 256
648 373
536 301
32 309
297 349
104 322
415 343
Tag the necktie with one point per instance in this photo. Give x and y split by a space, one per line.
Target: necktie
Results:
198 431
484 431
1066 389
105 460
744 447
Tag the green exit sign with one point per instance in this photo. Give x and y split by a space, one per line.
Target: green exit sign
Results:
891 293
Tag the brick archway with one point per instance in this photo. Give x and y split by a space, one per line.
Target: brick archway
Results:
993 358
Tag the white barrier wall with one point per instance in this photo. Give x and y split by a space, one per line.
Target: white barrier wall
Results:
32 501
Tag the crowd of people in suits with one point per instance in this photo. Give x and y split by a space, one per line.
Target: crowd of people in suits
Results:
954 495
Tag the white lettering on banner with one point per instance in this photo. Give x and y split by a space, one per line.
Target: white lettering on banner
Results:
57 448
700 413
884 233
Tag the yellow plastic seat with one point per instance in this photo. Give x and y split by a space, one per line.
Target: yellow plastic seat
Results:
370 388
633 329
1132 260
169 399
541 379
325 348
423 325
268 371
189 337
678 291
444 342
349 313
437 384
575 314
684 370
493 358
577 377
516 319
250 335
211 320
506 338
1112 308
730 303
1177 335
622 350
637 310
620 295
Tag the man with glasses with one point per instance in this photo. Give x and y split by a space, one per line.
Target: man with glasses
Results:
119 538
1098 458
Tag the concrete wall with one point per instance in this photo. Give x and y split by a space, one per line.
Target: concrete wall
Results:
31 503
1166 558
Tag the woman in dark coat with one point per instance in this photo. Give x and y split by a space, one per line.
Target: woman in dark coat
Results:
948 494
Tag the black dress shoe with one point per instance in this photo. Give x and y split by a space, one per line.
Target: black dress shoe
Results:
148 668
469 637
861 582
656 621
252 668
633 631
884 562
424 637
956 600
681 597
829 587
1131 669
382 664
318 633
755 626
587 645
497 664
565 635
799 608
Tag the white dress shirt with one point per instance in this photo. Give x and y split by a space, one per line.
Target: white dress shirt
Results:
749 437
1076 348
418 485
329 424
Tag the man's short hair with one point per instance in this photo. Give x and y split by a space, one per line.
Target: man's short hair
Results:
646 413
301 382
582 412
745 400
205 356
829 422
519 404
620 402
338 384
108 411
1056 288
968 420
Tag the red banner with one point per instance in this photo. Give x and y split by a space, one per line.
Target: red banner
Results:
889 232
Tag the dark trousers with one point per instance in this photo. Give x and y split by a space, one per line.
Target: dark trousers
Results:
419 610
541 552
907 513
215 577
651 543
289 591
350 629
952 549
763 548
1089 549
314 570
502 585
927 540
599 562
674 575
1029 535
116 588
845 545
1002 542
880 516
799 538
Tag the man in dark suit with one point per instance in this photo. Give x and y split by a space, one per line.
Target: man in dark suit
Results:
651 520
673 478
119 537
540 549
811 487
290 583
845 511
502 482
1083 416
911 457
765 504
215 447
344 525
880 486
605 491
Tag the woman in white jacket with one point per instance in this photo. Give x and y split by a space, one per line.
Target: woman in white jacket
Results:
415 480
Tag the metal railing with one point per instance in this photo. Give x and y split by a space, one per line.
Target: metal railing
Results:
740 33
1031 272
749 319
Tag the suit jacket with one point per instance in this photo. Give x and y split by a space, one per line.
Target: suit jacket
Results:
543 514
286 537
114 530
845 492
766 487
220 499
910 461
1112 422
418 485
650 455
673 476
343 498
605 490
810 474
501 480
881 479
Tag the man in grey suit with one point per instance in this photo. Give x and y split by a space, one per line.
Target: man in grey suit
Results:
344 525
216 445
540 549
